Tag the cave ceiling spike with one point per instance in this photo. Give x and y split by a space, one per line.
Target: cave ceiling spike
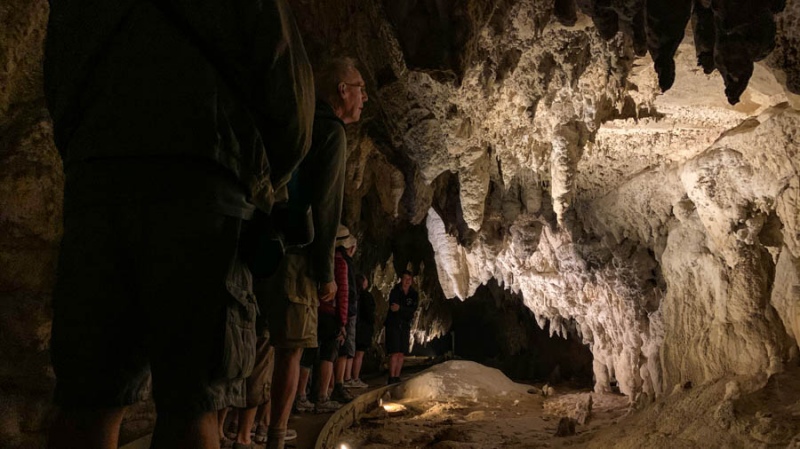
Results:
730 35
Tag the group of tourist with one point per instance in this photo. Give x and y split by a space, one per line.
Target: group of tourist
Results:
203 257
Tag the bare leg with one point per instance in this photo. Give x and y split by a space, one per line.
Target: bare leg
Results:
357 361
284 387
302 383
221 415
395 364
246 421
399 364
325 376
341 364
262 416
348 369
261 422
392 364
91 429
182 431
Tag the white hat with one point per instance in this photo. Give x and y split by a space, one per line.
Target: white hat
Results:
343 237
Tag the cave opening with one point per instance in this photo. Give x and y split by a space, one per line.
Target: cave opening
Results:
495 328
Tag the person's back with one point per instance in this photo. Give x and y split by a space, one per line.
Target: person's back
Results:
174 83
158 111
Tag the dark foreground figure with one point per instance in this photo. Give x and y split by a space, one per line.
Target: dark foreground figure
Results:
175 121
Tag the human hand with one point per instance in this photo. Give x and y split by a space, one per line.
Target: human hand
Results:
342 334
327 291
395 307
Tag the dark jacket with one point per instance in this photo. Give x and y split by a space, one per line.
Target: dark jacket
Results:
226 81
352 290
366 311
408 305
320 181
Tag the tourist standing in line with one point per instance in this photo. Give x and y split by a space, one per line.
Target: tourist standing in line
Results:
365 329
307 285
403 301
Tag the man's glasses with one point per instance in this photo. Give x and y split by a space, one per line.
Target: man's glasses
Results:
362 87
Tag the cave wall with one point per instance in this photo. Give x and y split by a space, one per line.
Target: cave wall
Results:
31 184
663 224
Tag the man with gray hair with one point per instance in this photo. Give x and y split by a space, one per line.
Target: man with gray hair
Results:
305 277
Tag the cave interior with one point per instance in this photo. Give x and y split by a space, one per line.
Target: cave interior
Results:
598 195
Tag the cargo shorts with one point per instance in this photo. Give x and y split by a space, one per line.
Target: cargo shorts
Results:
260 381
348 348
291 307
145 288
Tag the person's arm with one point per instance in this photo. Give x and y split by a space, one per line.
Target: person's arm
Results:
394 301
324 173
341 291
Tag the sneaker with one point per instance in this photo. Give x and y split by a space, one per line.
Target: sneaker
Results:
348 383
341 395
327 406
393 380
259 434
303 405
355 383
291 434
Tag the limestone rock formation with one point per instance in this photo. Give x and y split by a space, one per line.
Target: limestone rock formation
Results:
654 221
732 34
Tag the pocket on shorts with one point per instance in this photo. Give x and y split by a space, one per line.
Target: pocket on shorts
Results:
239 350
301 292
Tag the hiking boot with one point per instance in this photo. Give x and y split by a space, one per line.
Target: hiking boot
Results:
341 395
303 405
327 406
355 383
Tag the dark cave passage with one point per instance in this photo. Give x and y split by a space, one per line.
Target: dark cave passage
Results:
495 328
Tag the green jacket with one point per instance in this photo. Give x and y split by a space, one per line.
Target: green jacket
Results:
227 81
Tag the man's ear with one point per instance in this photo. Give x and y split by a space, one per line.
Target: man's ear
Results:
341 89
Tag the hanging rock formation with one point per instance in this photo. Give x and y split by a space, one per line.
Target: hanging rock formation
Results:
733 34
545 156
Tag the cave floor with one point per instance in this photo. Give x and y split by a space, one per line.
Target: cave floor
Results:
762 415
529 421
